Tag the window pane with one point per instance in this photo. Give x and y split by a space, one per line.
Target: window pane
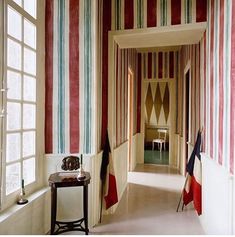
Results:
13 54
14 23
13 116
19 2
12 178
29 34
13 147
28 143
29 116
29 88
30 7
29 170
29 61
13 85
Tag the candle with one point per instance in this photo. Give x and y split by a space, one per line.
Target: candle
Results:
81 159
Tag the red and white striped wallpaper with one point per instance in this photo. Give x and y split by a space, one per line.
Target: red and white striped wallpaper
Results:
212 84
189 53
220 83
159 65
125 59
133 14
69 77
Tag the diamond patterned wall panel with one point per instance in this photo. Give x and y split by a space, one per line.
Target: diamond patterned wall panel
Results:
166 102
149 103
157 102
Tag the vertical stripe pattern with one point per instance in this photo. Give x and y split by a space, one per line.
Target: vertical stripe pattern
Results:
106 23
232 116
124 61
151 13
214 59
87 78
139 73
67 124
175 12
162 62
201 10
163 4
49 77
188 11
61 77
130 14
74 75
211 77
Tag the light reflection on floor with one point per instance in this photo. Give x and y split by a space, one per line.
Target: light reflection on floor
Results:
148 206
156 157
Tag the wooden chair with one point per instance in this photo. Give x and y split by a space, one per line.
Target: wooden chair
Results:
162 133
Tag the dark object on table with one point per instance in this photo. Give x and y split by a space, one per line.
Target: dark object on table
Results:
70 163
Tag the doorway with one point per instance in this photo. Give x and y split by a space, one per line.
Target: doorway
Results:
157 121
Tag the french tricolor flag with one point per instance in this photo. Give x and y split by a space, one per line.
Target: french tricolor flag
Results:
192 189
107 176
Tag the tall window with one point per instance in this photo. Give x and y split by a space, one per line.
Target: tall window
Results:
19 89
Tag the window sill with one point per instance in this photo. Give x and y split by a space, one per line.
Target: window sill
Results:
16 208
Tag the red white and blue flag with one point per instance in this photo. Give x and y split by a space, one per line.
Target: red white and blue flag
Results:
107 176
192 190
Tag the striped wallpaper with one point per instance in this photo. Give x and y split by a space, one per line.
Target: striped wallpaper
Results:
159 65
220 82
125 59
132 14
69 71
212 83
190 53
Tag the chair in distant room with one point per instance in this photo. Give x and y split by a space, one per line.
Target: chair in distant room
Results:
161 140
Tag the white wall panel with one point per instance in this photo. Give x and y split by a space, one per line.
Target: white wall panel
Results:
217 203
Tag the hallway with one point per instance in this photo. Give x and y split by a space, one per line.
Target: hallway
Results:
149 206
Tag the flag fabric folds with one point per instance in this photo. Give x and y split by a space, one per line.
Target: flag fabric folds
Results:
107 176
192 188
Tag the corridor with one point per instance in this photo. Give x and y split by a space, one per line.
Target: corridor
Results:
148 206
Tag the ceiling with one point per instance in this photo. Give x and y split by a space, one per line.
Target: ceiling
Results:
161 36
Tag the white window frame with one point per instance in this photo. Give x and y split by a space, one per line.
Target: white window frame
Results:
8 200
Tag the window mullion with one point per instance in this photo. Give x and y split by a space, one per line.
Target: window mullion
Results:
1 97
22 104
22 11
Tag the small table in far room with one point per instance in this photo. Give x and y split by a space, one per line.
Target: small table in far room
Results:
63 180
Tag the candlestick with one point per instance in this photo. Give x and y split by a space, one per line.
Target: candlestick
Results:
22 183
81 173
22 199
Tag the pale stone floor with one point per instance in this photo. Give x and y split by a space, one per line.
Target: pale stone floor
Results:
148 206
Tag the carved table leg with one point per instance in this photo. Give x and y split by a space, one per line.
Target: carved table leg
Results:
53 208
85 208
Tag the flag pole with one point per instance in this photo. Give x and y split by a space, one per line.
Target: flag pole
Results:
182 195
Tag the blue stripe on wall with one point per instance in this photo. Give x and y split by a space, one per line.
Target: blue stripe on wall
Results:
87 77
227 79
61 75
